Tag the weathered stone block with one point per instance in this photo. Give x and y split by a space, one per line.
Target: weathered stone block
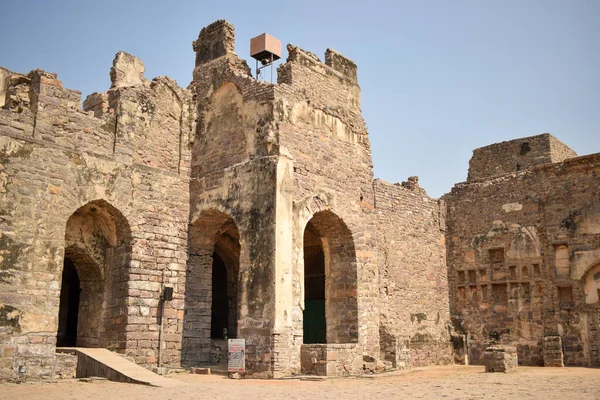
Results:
500 359
66 366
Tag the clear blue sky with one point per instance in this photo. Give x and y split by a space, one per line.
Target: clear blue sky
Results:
439 78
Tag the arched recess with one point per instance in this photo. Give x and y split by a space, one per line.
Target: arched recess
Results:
330 281
92 310
591 289
211 296
591 285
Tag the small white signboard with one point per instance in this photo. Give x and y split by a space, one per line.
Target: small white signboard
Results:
236 356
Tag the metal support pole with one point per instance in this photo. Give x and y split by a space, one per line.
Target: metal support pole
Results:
160 332
271 67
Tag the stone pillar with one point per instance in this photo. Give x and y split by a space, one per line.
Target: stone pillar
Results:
282 341
214 41
552 351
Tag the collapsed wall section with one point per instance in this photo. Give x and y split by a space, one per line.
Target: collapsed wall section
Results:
413 285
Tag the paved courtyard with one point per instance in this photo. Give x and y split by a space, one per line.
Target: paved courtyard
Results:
451 382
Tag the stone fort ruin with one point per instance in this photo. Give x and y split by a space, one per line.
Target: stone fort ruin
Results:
256 203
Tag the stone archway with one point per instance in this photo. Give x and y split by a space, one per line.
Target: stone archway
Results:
97 253
212 284
330 278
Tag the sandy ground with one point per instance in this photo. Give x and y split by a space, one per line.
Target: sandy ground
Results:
449 382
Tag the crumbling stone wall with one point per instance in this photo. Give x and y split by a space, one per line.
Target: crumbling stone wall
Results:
413 284
520 248
104 190
516 155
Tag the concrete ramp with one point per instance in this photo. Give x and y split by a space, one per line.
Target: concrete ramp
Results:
107 364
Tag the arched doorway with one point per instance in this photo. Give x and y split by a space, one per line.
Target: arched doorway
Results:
330 281
97 252
314 321
211 298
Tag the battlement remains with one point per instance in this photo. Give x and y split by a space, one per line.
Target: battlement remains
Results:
136 120
517 155
341 64
214 41
329 89
35 91
336 64
127 70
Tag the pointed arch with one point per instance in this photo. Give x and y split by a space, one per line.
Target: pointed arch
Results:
591 284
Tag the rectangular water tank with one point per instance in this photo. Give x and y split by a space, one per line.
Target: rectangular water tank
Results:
265 45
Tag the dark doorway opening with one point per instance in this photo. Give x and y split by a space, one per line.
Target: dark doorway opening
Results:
220 308
69 306
314 321
211 295
330 281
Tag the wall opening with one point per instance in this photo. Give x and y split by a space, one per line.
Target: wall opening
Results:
212 285
499 293
330 278
219 319
97 255
314 322
68 312
472 276
483 275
